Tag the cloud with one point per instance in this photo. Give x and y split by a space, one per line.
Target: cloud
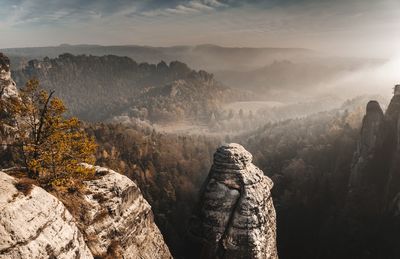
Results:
183 8
199 6
359 26
17 12
50 12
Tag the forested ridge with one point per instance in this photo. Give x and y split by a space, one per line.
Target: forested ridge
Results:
99 88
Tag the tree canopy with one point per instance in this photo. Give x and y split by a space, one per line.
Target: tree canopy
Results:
50 146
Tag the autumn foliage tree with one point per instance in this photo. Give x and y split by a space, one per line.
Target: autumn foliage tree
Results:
51 146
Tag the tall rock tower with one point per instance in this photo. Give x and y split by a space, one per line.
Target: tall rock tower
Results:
367 144
397 90
236 217
375 178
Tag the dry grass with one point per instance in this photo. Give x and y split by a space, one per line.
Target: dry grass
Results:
76 205
25 185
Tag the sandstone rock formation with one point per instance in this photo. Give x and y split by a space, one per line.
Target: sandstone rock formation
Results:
7 89
367 143
376 167
119 221
397 90
389 161
110 218
236 216
7 85
35 224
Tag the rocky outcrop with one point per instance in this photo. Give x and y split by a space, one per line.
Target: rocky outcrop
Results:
397 90
111 215
119 221
367 143
34 224
390 154
8 89
114 221
7 85
376 167
236 216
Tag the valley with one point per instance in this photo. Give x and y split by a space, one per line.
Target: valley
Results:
160 124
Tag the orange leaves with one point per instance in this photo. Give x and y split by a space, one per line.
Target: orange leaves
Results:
52 147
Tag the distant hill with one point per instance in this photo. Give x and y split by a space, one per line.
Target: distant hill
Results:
209 57
99 88
271 73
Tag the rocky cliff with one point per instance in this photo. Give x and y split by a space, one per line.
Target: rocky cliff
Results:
34 224
108 217
118 221
7 85
8 90
236 216
367 144
389 151
111 219
372 207
376 165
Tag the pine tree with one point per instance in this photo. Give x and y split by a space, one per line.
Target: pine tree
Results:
51 147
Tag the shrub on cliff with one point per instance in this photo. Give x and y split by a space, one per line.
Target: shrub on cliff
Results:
50 146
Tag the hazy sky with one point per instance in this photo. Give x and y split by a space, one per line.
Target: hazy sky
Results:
358 27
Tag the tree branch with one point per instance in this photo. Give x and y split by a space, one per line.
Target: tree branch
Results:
42 116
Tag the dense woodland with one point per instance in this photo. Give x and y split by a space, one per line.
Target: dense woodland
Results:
169 170
99 88
309 160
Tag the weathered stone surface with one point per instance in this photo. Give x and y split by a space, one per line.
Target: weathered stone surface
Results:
236 217
120 219
8 89
375 176
367 143
36 225
390 139
7 85
397 90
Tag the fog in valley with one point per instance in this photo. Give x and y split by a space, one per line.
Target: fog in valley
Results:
260 85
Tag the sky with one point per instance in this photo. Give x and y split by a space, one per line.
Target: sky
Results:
349 27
